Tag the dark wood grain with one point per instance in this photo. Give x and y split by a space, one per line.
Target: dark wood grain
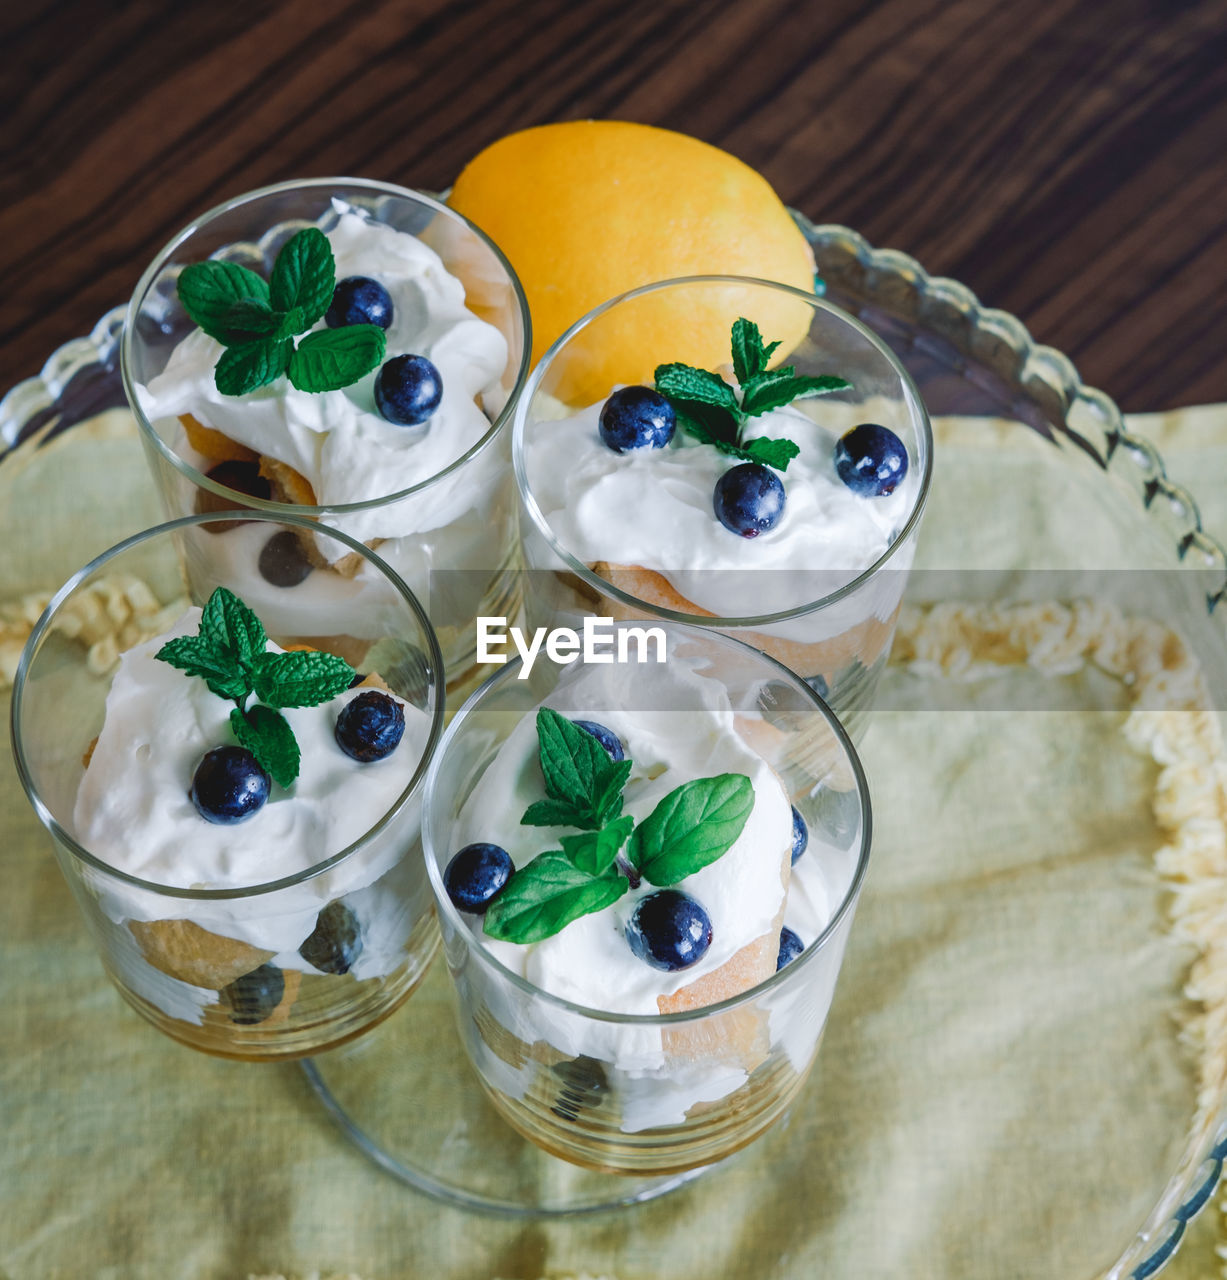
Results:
1067 159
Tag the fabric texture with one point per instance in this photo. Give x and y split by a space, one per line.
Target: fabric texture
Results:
1006 1083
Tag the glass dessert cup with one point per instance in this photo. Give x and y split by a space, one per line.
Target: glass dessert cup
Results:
656 1094
186 957
826 610
451 533
404 1093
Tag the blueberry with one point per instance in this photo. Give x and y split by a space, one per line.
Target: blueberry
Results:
790 948
229 786
335 942
408 390
476 876
800 834
242 477
359 300
749 499
370 726
584 1086
669 930
606 737
783 704
870 460
819 685
255 995
283 562
838 816
637 418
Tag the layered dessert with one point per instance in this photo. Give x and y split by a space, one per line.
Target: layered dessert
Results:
756 496
224 765
357 370
632 853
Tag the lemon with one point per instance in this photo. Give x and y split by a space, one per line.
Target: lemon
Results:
589 209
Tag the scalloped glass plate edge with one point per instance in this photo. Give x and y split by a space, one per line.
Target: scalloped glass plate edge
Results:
75 382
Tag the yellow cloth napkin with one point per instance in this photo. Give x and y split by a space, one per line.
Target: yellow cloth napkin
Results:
944 1136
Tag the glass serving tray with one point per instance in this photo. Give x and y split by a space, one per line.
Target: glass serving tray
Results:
981 1105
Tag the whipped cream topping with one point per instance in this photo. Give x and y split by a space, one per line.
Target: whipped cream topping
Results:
337 439
653 508
692 735
323 603
133 810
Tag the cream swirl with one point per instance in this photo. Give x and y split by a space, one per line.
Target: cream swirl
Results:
652 508
337 439
133 810
690 733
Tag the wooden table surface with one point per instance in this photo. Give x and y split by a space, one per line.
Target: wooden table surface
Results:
1066 159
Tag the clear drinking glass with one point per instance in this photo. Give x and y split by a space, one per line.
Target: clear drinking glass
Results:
259 966
451 532
824 605
645 1093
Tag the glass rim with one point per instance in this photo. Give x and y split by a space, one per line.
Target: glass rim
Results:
199 478
445 906
42 629
606 588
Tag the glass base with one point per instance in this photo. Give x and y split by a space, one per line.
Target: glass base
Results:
407 1098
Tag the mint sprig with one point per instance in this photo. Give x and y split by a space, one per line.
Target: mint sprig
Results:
690 828
583 784
325 360
304 276
750 356
267 735
595 852
212 292
257 321
708 409
545 896
230 653
248 366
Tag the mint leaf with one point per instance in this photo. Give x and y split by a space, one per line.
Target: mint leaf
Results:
302 678
544 897
196 657
245 368
230 654
578 771
707 424
554 813
209 290
781 387
231 628
289 323
596 851
330 359
681 382
747 350
607 802
769 378
774 453
267 735
749 355
304 277
708 410
691 827
247 320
